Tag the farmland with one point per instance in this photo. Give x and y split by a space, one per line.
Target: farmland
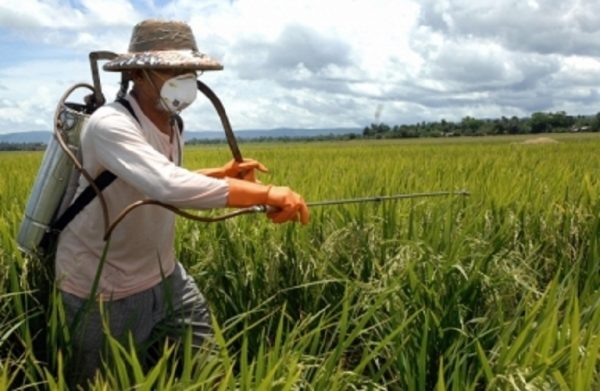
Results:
498 290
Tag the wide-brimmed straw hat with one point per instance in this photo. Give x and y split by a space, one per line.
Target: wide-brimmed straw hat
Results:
158 44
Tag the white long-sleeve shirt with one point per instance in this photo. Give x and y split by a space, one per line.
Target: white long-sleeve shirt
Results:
141 247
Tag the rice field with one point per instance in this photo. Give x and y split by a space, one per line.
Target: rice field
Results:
495 291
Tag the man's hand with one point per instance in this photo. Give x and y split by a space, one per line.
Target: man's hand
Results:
286 205
244 170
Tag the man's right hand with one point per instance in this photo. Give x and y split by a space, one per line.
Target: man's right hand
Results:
288 205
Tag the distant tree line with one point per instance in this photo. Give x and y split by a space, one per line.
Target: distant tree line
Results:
4 146
538 123
469 126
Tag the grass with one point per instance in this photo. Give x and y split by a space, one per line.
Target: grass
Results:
495 291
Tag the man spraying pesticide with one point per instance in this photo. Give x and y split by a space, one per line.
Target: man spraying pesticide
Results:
132 271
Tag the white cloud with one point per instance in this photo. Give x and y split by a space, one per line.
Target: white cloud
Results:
60 15
549 26
23 15
108 13
33 90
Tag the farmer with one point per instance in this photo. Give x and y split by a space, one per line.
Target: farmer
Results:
142 287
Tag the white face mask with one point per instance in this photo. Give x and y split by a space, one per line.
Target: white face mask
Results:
178 92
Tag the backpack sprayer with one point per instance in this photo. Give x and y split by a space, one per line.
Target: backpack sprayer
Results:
58 177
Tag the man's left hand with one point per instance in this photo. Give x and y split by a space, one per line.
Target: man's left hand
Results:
233 169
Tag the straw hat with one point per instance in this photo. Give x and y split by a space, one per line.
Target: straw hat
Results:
158 44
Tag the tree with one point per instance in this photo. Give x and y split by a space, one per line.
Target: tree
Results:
595 126
561 120
514 126
470 125
540 123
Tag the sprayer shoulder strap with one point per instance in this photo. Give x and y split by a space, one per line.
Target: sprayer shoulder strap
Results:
87 195
125 103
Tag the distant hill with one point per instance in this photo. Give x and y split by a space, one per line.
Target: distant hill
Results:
37 136
272 133
44 136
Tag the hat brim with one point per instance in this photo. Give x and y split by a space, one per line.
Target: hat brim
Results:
163 59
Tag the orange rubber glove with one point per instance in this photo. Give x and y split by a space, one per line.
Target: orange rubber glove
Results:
244 170
289 206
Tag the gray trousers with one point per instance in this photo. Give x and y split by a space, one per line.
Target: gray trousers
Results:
166 311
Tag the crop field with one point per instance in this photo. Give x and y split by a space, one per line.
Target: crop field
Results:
499 290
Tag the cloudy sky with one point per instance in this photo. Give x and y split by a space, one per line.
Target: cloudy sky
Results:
321 63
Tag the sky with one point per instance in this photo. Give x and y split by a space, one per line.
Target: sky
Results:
321 63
